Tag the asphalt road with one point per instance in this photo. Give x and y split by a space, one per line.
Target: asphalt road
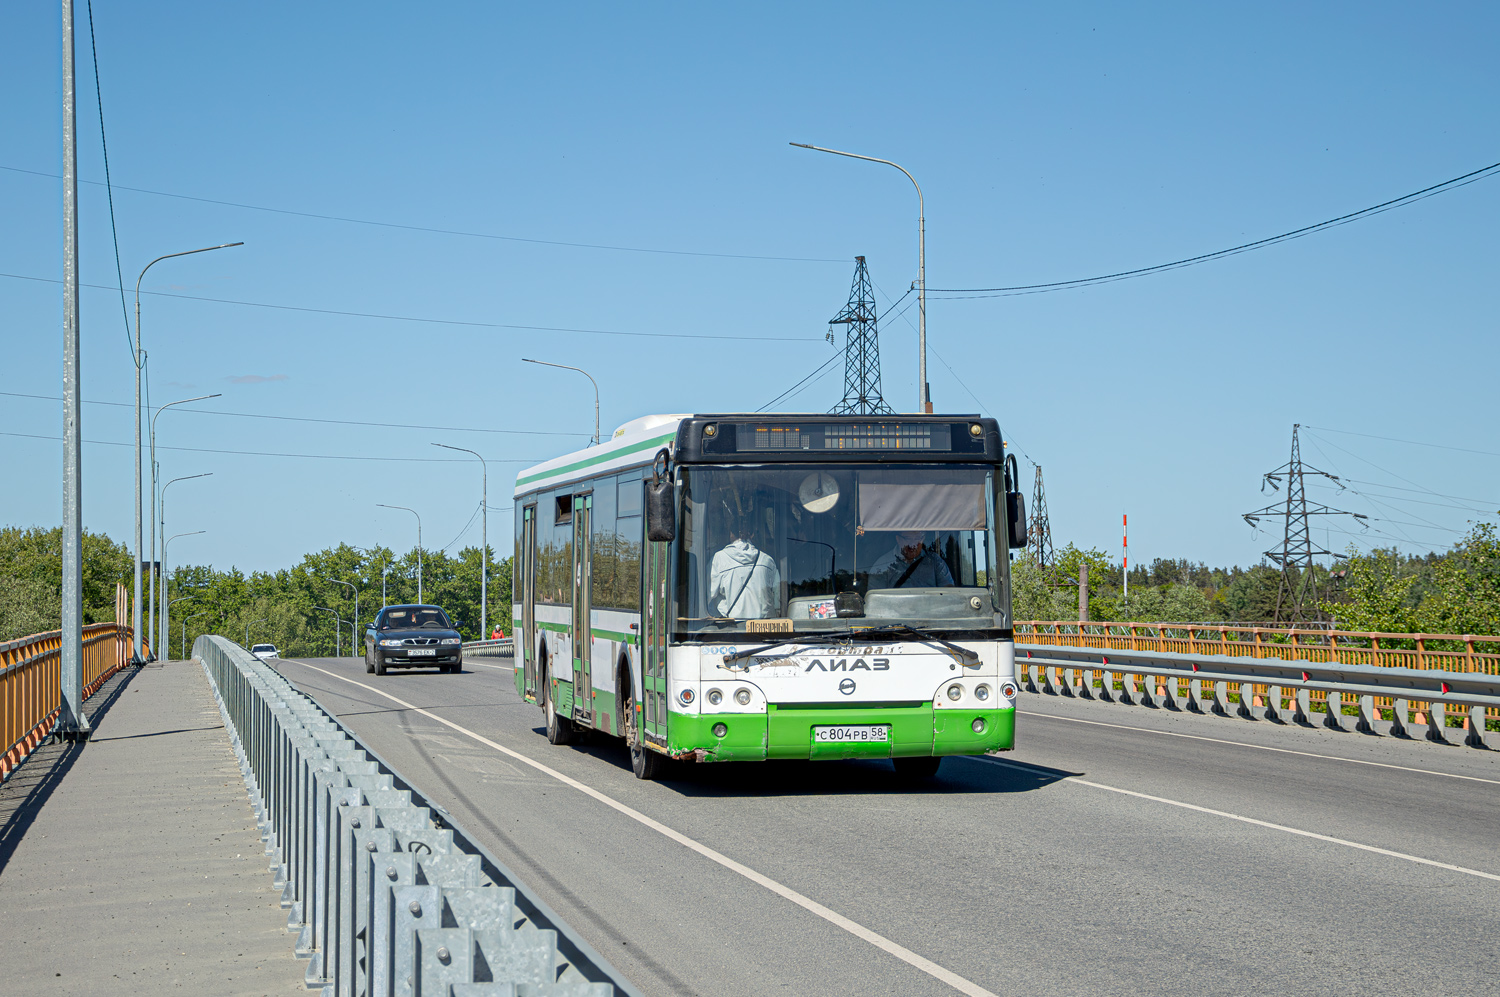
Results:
1118 850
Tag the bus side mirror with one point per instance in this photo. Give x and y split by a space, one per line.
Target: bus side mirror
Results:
661 511
1015 507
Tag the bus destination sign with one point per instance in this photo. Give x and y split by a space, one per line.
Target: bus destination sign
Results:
844 436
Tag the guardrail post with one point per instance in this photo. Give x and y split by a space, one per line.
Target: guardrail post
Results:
1334 716
1302 706
1475 737
1399 713
1369 716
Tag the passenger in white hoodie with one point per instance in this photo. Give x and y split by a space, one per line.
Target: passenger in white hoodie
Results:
744 583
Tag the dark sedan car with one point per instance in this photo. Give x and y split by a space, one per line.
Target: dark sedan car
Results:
413 636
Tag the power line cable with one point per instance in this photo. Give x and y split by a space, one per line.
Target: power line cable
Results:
817 370
444 231
114 233
309 456
1415 443
1353 216
295 418
432 321
450 543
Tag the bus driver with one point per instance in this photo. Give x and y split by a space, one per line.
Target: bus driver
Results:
910 565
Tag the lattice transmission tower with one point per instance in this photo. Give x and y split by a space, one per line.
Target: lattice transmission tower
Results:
1297 597
862 352
1039 535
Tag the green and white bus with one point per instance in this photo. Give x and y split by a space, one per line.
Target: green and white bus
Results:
742 587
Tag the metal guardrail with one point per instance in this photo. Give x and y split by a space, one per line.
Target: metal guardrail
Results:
389 897
31 683
504 647
1270 688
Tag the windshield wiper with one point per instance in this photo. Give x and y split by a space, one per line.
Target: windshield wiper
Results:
812 638
964 655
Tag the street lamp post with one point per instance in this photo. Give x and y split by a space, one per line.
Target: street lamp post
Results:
166 602
162 511
484 532
159 507
586 374
419 544
924 402
355 625
184 631
140 361
151 620
338 629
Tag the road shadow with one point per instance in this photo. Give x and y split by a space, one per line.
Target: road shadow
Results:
37 778
957 775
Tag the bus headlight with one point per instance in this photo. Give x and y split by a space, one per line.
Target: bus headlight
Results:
685 697
955 692
978 725
982 693
715 697
742 696
720 730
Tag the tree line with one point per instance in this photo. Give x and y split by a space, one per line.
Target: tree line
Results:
1456 591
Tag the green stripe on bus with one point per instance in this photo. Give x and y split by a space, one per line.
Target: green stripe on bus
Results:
591 461
563 628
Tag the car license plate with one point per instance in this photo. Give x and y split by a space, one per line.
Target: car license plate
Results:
420 652
851 734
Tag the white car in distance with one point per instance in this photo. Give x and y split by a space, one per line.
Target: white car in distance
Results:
264 651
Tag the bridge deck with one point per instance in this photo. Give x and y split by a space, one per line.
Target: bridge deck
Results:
132 865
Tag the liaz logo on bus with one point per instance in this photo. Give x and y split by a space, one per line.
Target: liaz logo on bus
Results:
844 664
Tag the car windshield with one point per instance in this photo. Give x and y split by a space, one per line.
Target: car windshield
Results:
263 647
829 547
414 617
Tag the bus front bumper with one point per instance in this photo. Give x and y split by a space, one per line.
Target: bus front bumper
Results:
787 732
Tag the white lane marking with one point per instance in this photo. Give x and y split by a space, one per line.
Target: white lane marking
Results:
1262 747
1250 820
480 664
906 955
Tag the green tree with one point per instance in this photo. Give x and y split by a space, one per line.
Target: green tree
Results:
31 579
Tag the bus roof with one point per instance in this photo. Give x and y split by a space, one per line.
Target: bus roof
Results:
636 443
632 445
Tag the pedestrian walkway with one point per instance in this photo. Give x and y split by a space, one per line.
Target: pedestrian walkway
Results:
132 864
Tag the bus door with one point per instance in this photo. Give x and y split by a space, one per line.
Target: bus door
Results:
526 638
654 644
583 599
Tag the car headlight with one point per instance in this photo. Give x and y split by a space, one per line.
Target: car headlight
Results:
390 643
451 640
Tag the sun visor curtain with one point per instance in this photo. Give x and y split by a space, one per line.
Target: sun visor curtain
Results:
951 500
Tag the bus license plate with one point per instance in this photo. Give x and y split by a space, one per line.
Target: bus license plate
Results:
420 652
850 734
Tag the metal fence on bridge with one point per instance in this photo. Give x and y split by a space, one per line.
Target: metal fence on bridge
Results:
1441 681
388 895
31 683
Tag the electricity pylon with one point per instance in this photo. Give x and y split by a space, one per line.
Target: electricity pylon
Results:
862 354
1039 536
1298 595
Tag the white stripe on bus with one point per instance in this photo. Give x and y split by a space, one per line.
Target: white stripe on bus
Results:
906 955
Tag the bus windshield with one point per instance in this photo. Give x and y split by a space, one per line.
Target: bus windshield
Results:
829 546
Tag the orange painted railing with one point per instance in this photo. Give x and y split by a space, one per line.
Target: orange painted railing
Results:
1424 651
31 683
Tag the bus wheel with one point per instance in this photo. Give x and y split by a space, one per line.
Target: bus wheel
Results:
916 768
645 763
559 728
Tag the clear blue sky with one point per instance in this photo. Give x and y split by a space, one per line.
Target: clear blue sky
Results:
1052 143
